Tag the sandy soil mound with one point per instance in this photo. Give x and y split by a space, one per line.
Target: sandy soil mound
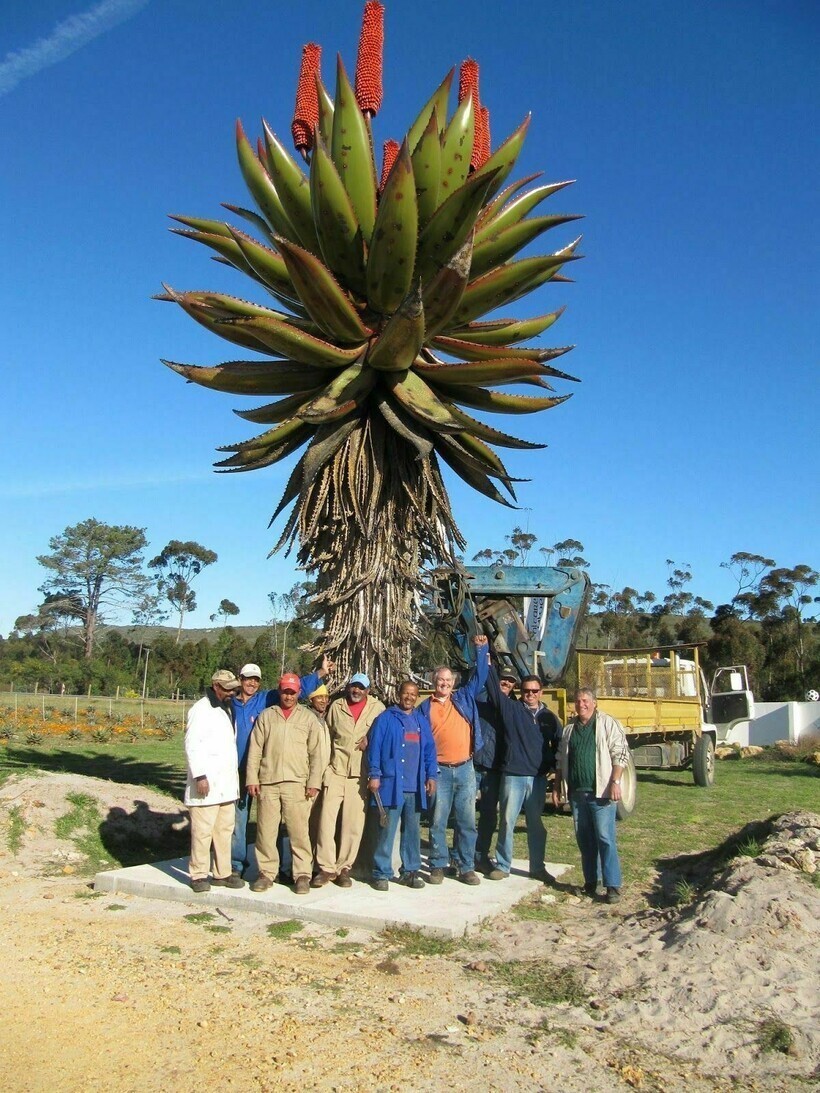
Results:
676 999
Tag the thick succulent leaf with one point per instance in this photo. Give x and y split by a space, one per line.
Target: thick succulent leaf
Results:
465 468
503 371
450 227
267 264
508 283
438 103
499 247
502 161
253 458
270 438
426 160
499 402
324 445
487 432
395 236
226 247
285 408
293 189
249 377
222 306
352 152
515 211
494 207
403 424
200 224
420 401
484 452
470 351
457 148
401 337
281 337
337 228
259 222
261 188
323 297
506 332
325 127
443 292
341 396
206 317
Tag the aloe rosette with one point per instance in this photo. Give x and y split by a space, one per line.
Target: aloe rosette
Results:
374 337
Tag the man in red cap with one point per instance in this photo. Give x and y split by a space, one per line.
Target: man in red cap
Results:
284 773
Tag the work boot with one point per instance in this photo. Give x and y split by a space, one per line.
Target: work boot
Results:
200 885
591 889
302 886
233 881
497 874
436 876
613 895
343 880
379 885
262 883
470 877
321 879
411 880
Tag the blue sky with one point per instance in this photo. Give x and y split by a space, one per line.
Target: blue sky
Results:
692 131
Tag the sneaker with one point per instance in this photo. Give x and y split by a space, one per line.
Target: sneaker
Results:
321 879
200 886
343 880
262 883
302 886
613 895
470 877
436 876
233 881
379 885
411 880
497 874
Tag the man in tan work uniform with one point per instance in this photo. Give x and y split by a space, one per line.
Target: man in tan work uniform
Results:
284 774
345 783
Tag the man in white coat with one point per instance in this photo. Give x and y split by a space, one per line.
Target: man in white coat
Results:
212 787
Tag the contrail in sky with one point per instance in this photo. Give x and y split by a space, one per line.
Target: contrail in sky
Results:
66 38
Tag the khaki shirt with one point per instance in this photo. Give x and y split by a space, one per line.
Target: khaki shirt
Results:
345 758
286 749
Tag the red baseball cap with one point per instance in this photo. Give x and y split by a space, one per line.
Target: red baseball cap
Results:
290 682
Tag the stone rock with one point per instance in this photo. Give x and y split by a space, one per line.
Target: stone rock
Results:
751 751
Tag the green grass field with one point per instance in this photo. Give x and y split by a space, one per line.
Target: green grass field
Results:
672 815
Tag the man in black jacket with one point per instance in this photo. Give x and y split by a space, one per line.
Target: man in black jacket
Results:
531 735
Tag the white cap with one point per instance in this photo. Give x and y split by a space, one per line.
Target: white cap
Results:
250 670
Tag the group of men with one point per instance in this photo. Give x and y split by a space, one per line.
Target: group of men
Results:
315 768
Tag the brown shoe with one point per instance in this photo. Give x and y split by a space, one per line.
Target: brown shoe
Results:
343 880
436 876
262 883
497 874
302 886
200 886
470 877
321 879
232 881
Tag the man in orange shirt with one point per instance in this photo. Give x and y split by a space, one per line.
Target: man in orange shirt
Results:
454 719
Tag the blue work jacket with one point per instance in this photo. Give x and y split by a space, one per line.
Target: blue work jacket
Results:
465 699
385 752
246 713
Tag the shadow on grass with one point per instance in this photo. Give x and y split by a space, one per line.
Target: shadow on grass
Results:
163 777
698 872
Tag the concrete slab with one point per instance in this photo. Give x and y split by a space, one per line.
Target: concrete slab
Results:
448 910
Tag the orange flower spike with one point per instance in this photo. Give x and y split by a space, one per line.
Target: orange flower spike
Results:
482 146
306 111
468 81
390 151
369 60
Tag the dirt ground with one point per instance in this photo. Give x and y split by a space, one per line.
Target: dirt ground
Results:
121 993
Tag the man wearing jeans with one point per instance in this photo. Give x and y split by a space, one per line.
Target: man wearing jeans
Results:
456 725
531 734
402 765
591 759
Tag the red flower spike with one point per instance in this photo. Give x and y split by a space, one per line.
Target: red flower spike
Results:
481 145
390 151
306 111
468 81
369 59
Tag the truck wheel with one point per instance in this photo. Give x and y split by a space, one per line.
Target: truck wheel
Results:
629 791
703 761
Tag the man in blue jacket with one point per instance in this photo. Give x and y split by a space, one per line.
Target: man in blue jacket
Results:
456 727
402 765
531 736
247 706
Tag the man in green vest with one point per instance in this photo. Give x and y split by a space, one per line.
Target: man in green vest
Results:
591 759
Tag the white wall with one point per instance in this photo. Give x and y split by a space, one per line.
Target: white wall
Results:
774 721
